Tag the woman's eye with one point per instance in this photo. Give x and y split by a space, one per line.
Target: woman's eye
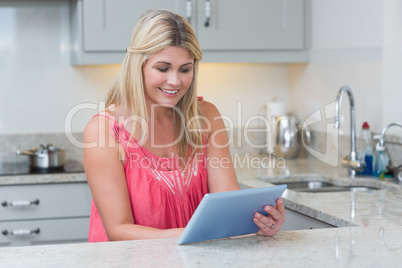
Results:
163 70
185 70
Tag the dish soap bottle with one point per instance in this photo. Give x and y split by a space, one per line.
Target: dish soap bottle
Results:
381 160
367 152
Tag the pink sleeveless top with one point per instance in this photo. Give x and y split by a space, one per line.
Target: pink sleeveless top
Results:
155 184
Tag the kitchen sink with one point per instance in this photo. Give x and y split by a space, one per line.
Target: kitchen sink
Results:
320 187
321 184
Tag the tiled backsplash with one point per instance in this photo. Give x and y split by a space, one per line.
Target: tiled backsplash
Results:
393 144
337 148
241 142
9 144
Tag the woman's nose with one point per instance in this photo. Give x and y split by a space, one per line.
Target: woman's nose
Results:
173 79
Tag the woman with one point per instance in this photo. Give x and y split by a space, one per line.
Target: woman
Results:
159 149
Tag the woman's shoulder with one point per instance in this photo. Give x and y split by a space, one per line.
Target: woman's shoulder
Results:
98 127
209 110
211 115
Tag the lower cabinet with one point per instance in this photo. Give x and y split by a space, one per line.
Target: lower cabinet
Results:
40 214
297 221
44 232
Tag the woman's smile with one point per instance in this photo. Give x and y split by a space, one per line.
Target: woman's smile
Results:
169 92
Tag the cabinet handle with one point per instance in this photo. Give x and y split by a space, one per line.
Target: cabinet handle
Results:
21 232
189 10
207 12
20 203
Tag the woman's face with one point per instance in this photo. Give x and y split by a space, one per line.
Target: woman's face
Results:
167 76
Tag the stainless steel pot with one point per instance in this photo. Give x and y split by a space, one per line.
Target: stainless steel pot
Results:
47 156
289 133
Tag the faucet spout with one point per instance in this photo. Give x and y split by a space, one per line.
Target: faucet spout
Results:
352 159
385 130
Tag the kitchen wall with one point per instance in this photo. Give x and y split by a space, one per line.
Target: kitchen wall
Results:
356 43
241 90
38 86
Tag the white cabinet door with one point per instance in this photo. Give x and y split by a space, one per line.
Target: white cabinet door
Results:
59 200
108 24
44 232
251 24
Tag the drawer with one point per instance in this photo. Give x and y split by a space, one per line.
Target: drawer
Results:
61 200
45 232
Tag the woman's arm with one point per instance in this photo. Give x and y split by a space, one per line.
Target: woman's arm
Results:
221 173
106 179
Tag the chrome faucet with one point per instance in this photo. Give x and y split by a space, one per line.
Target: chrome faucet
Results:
351 161
381 141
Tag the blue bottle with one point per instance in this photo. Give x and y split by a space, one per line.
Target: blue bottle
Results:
380 161
367 152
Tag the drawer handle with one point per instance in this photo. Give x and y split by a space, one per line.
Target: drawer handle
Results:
21 232
189 10
20 203
207 12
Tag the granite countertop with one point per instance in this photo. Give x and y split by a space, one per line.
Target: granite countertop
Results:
42 178
369 232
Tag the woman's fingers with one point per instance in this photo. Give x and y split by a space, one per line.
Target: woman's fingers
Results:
264 221
265 224
271 224
278 213
281 207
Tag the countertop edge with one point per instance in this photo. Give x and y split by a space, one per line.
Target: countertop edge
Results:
42 178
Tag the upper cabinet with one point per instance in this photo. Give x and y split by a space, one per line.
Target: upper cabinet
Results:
228 30
108 24
250 25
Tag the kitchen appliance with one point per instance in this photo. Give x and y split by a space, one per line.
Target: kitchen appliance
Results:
290 134
23 168
47 156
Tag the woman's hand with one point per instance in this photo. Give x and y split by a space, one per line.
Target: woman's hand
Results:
271 224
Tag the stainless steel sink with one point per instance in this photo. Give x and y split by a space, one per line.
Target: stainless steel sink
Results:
317 183
322 186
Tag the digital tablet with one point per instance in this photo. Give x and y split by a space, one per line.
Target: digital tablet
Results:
230 213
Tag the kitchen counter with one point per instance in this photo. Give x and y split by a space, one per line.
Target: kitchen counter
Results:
346 247
42 178
369 232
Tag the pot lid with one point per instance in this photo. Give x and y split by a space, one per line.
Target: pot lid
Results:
44 149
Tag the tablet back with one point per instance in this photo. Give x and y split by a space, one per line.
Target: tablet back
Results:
228 214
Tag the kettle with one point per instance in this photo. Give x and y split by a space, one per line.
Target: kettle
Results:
289 136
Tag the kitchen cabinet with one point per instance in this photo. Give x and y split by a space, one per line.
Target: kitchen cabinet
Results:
297 221
108 24
40 214
250 25
228 30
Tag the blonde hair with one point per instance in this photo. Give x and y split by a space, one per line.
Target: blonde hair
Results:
155 30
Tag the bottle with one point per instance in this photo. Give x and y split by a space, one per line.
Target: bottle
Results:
381 160
367 152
